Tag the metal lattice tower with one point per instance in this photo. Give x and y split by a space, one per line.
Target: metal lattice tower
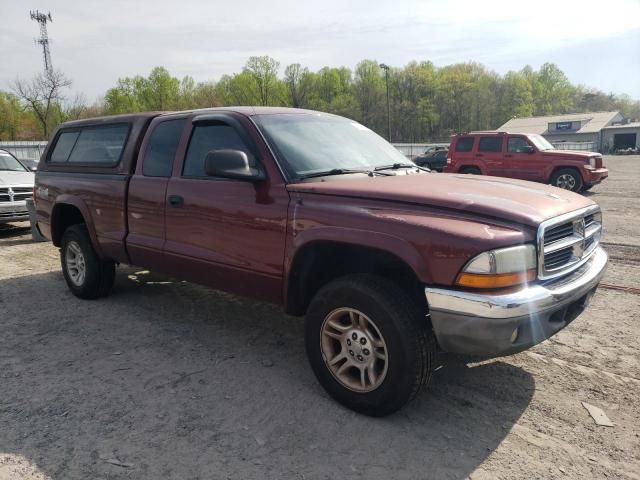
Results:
42 19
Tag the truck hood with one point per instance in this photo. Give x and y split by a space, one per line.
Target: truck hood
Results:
8 178
573 154
503 198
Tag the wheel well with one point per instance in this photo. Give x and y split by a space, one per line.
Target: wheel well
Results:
63 216
465 167
571 167
321 262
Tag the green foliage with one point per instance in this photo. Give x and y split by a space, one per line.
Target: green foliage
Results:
426 102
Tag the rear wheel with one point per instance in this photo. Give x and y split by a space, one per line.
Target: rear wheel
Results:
471 170
369 344
87 275
567 179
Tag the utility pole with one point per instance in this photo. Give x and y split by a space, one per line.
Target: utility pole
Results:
42 19
386 76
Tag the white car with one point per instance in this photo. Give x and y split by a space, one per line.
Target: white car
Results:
16 185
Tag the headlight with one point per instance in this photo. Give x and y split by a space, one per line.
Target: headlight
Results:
500 268
592 162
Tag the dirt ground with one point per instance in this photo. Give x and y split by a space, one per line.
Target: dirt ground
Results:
166 379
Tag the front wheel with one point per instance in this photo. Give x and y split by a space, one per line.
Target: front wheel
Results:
471 171
87 275
567 179
369 344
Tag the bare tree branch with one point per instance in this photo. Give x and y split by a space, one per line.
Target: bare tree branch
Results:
41 94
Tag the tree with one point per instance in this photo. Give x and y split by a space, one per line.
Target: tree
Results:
517 97
369 88
160 90
264 71
42 95
10 116
554 93
298 83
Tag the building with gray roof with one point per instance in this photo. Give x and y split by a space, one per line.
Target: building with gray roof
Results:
606 131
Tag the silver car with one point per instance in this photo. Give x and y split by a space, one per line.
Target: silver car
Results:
16 185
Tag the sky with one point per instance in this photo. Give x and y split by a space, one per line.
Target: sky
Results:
94 42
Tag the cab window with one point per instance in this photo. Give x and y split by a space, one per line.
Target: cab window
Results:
206 138
464 144
518 145
161 149
490 144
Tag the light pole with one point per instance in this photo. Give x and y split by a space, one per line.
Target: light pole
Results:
385 67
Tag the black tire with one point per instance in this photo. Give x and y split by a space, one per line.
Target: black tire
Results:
567 179
587 187
407 334
471 170
99 274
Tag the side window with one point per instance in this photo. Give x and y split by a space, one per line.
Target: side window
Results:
464 144
490 144
161 149
517 145
64 145
206 138
100 145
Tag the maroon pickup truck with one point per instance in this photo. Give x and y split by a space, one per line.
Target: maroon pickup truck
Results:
390 263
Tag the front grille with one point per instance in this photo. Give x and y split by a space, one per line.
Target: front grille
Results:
15 194
14 214
566 242
557 259
556 233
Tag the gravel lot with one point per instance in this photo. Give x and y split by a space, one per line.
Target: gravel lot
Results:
166 379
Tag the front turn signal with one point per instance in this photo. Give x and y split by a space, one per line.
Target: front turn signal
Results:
495 280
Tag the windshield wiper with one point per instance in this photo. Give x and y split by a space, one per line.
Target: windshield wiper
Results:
340 171
396 166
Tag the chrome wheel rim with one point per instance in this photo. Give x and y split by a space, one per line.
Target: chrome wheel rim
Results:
75 263
566 181
354 350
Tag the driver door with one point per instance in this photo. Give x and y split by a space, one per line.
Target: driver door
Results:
228 234
522 161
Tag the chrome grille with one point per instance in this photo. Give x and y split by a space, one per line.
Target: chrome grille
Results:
15 194
567 241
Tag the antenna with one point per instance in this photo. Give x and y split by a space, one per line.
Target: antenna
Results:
42 19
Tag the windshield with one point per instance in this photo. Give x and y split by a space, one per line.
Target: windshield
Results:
8 162
541 143
315 143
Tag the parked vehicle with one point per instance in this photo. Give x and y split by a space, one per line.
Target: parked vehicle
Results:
524 156
435 160
32 165
16 185
390 264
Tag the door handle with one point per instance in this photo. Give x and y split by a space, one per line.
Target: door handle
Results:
507 155
479 155
176 201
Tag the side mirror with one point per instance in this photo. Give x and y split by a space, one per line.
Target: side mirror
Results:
529 149
234 164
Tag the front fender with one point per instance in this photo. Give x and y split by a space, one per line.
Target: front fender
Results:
392 244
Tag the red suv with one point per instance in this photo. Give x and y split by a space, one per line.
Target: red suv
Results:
524 156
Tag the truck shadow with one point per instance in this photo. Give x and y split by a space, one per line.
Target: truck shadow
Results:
10 230
166 379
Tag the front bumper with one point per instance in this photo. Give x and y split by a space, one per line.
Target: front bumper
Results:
493 325
593 177
13 212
